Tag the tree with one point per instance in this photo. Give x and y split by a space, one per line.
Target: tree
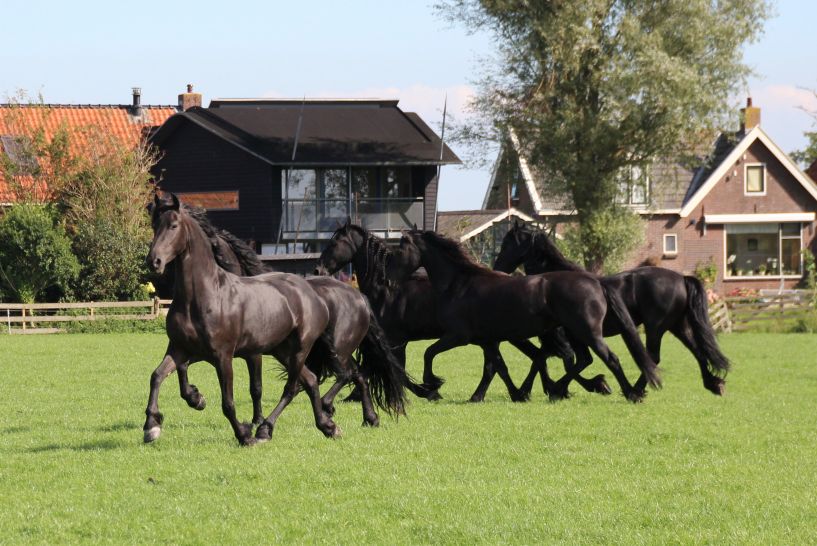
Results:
592 88
99 187
35 254
808 155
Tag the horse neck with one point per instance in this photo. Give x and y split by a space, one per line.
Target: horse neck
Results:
196 269
545 257
440 271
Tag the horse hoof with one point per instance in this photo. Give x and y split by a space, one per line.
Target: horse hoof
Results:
336 433
371 422
152 434
600 386
248 441
433 396
637 397
264 432
519 396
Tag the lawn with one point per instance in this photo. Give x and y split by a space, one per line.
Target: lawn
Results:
683 467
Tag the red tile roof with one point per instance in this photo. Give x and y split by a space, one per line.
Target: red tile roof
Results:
114 120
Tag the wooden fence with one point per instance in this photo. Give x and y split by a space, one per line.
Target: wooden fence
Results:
31 318
733 314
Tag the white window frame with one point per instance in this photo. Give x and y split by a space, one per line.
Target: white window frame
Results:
670 252
746 191
780 238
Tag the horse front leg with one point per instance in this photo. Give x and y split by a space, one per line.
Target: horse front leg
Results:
538 365
224 370
254 367
502 369
432 382
153 422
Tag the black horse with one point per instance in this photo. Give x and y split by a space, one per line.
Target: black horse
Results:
407 311
660 299
216 315
484 306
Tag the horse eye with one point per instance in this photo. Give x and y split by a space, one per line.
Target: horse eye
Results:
174 226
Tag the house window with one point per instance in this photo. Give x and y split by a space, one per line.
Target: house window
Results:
670 244
757 250
755 180
633 186
315 199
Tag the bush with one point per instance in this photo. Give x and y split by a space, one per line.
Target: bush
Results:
113 263
36 261
707 272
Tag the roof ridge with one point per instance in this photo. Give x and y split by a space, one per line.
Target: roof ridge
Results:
85 106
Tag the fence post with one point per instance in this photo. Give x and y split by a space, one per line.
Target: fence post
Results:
155 306
24 318
8 318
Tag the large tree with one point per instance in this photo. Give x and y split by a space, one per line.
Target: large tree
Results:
808 155
595 87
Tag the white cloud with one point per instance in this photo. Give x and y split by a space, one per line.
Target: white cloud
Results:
785 97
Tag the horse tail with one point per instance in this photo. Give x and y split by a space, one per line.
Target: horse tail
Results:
386 377
698 317
629 332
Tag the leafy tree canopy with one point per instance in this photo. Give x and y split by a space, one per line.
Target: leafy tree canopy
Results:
594 86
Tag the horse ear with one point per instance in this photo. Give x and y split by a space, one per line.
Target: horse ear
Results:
516 223
414 228
348 220
176 204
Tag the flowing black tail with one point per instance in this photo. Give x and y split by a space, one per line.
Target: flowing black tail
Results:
698 317
387 379
630 335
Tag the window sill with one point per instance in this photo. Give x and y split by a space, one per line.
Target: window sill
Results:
763 277
670 255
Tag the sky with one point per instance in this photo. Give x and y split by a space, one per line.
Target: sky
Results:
91 52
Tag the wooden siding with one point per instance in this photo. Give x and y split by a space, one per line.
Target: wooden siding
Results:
195 160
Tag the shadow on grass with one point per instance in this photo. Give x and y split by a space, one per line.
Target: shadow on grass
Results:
99 445
15 430
120 426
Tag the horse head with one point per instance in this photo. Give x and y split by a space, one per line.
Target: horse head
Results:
516 245
169 232
344 244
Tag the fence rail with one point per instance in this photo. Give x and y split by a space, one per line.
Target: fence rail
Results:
24 318
741 312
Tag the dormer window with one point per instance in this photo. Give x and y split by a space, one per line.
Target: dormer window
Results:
19 154
755 179
633 186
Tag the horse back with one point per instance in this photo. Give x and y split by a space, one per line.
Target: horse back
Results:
348 312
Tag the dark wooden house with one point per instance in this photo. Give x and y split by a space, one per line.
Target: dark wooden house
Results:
284 173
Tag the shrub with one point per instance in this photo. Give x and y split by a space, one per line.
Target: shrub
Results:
613 233
707 272
113 263
35 255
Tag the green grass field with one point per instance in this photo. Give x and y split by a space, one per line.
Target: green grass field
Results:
684 467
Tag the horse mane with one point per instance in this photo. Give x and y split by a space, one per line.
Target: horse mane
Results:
250 264
376 252
457 255
548 252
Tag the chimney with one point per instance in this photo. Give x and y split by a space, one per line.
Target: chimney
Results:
189 100
136 108
749 116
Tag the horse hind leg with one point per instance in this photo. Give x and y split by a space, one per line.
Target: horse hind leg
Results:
488 373
712 383
614 365
323 422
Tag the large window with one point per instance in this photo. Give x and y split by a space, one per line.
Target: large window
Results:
381 199
756 250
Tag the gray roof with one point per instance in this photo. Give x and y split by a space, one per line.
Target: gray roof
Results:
364 132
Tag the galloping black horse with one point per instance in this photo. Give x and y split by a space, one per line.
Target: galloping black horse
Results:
350 318
216 315
407 311
660 299
484 306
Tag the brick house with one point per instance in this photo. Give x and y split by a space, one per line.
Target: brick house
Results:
128 123
481 231
747 207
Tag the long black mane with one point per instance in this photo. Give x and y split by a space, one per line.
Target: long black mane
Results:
457 256
376 253
247 258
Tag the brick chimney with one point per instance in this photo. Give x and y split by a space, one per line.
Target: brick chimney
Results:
749 116
189 100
